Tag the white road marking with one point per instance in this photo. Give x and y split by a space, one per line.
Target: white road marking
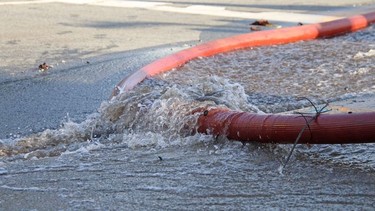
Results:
272 16
194 9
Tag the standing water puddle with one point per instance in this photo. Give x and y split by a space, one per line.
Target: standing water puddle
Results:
138 151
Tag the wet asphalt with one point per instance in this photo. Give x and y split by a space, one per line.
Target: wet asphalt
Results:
69 91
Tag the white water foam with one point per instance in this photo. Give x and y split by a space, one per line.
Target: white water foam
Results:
154 115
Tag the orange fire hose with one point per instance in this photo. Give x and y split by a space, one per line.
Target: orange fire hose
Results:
326 129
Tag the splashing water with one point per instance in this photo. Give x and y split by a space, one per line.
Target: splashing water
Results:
154 114
159 112
144 142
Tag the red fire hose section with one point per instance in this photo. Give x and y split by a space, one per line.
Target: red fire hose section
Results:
326 129
284 129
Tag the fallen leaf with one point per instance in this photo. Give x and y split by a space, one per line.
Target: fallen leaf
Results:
261 22
44 67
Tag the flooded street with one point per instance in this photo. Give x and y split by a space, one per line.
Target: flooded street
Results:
140 151
224 175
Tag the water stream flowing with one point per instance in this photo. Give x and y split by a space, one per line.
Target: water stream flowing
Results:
141 150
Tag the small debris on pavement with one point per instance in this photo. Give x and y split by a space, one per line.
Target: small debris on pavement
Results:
43 67
261 22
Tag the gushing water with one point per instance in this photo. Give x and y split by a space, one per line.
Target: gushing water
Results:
141 150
